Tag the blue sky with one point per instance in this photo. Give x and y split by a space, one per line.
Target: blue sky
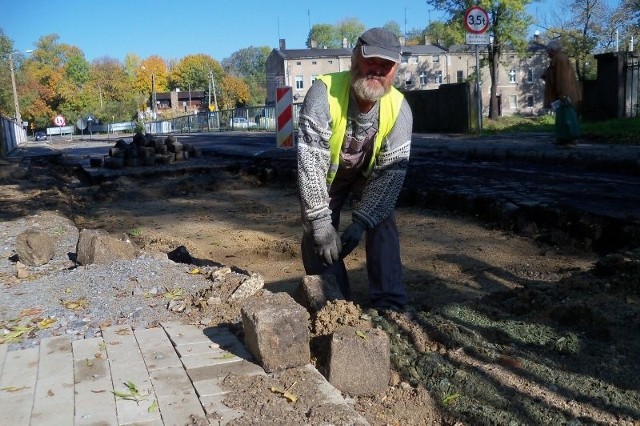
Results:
173 29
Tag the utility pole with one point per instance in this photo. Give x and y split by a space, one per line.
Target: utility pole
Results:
212 85
16 104
153 94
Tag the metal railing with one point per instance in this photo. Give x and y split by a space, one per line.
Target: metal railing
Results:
261 118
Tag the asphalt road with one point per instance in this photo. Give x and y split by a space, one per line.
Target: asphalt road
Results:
590 193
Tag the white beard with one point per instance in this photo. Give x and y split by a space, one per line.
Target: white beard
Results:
368 89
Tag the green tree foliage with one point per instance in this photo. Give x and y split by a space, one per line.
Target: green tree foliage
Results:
394 27
325 36
110 91
444 34
249 65
192 71
509 22
350 29
6 91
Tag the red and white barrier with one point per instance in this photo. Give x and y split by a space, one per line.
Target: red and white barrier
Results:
284 117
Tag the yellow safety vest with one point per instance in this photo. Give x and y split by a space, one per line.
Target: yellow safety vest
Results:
338 87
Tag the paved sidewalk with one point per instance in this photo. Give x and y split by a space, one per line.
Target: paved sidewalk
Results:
169 375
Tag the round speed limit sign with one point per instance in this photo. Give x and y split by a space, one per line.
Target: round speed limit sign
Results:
476 20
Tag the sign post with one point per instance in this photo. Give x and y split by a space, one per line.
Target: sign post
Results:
476 20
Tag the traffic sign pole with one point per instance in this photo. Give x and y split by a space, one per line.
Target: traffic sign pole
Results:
476 20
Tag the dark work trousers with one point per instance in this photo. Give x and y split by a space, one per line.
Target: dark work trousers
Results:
384 268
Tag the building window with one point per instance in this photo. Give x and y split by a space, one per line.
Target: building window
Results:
313 62
298 63
512 75
513 102
313 78
404 59
408 78
435 58
299 82
423 78
438 77
413 60
530 101
530 75
459 77
330 61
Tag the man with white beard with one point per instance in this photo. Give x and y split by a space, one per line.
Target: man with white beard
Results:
354 142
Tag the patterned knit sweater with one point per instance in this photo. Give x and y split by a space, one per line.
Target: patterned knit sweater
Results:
382 187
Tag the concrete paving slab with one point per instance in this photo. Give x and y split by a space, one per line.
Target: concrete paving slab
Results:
73 381
157 350
94 399
54 397
17 386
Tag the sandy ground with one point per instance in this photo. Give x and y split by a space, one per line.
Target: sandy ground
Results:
500 329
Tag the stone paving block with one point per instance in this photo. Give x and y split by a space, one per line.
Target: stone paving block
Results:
89 349
219 413
171 381
217 337
181 334
209 387
121 344
359 361
18 381
276 331
157 350
215 357
3 353
315 291
54 396
177 399
128 367
218 372
94 400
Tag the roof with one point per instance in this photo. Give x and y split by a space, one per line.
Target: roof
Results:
312 53
423 49
428 49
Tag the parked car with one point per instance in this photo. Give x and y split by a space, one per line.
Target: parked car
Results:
41 136
241 123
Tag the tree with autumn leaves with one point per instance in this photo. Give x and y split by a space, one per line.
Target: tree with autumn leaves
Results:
55 78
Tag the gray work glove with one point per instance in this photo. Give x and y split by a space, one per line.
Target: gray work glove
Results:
327 243
351 238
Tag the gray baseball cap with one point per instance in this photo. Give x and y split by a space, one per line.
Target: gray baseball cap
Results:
380 43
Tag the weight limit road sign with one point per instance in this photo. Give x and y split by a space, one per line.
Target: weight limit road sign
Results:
476 20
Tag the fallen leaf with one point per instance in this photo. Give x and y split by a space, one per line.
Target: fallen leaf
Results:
153 407
361 334
29 312
451 399
46 323
15 334
194 271
75 305
12 388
